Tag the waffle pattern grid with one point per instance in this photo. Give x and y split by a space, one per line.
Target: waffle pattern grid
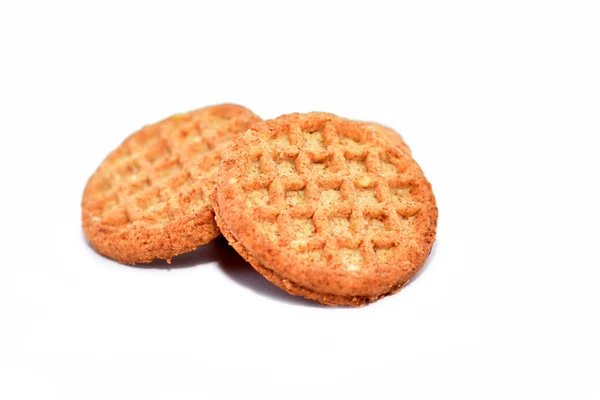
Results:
331 201
339 198
163 173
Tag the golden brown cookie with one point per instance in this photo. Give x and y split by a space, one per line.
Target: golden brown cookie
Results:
150 197
324 208
389 134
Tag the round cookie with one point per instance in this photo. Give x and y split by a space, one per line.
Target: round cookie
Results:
389 134
150 197
324 208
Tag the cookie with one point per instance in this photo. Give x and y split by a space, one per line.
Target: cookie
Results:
325 208
149 198
388 134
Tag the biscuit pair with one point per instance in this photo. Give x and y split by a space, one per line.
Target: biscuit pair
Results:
324 207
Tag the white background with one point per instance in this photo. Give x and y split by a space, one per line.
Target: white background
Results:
500 102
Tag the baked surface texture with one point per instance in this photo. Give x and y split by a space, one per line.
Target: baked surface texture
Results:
388 133
149 198
325 208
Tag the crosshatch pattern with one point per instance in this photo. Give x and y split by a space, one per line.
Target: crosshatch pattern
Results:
164 171
331 195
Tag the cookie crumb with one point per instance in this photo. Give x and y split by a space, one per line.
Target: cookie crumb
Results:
364 181
299 244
